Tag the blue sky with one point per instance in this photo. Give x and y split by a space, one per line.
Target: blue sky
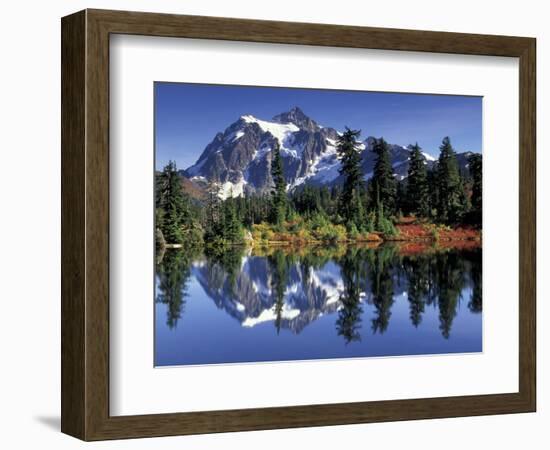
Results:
188 116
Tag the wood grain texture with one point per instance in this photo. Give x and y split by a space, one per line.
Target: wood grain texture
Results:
151 24
527 224
85 224
97 225
73 111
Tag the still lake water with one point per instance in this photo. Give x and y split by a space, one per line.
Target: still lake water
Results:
316 303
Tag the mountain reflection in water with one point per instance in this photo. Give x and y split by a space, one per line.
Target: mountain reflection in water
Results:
313 303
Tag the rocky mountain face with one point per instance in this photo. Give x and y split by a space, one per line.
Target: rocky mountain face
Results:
239 159
248 296
310 292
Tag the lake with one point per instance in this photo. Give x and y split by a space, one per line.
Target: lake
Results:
282 304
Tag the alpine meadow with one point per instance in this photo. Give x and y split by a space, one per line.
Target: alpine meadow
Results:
299 224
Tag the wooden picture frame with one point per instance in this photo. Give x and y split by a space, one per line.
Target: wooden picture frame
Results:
85 224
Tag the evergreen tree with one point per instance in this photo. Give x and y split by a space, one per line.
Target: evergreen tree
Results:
401 201
383 184
464 199
174 203
325 200
213 220
476 172
232 230
417 183
278 195
450 206
160 242
433 190
350 206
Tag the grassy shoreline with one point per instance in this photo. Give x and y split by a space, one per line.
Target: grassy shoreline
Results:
407 231
303 233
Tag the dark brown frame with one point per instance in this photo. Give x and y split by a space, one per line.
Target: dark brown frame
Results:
85 224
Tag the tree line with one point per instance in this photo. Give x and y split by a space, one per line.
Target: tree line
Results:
441 194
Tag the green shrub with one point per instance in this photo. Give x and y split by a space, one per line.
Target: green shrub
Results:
318 221
369 225
386 226
353 232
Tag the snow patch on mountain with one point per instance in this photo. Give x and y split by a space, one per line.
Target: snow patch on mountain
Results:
280 131
268 315
324 168
261 289
229 189
262 151
232 137
328 282
239 306
428 156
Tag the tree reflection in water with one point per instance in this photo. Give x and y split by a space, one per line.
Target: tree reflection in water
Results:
349 315
382 287
476 305
417 270
279 279
173 272
292 280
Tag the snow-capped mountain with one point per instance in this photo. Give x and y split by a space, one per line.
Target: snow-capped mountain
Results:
310 291
248 297
240 157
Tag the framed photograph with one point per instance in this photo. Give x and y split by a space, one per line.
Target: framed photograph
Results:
272 225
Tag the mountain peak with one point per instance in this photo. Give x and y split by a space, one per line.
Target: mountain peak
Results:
298 118
296 110
239 159
248 118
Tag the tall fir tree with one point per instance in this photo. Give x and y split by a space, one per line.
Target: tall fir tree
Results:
417 183
450 206
383 183
174 203
350 206
232 229
278 195
401 202
465 204
433 189
213 226
475 165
